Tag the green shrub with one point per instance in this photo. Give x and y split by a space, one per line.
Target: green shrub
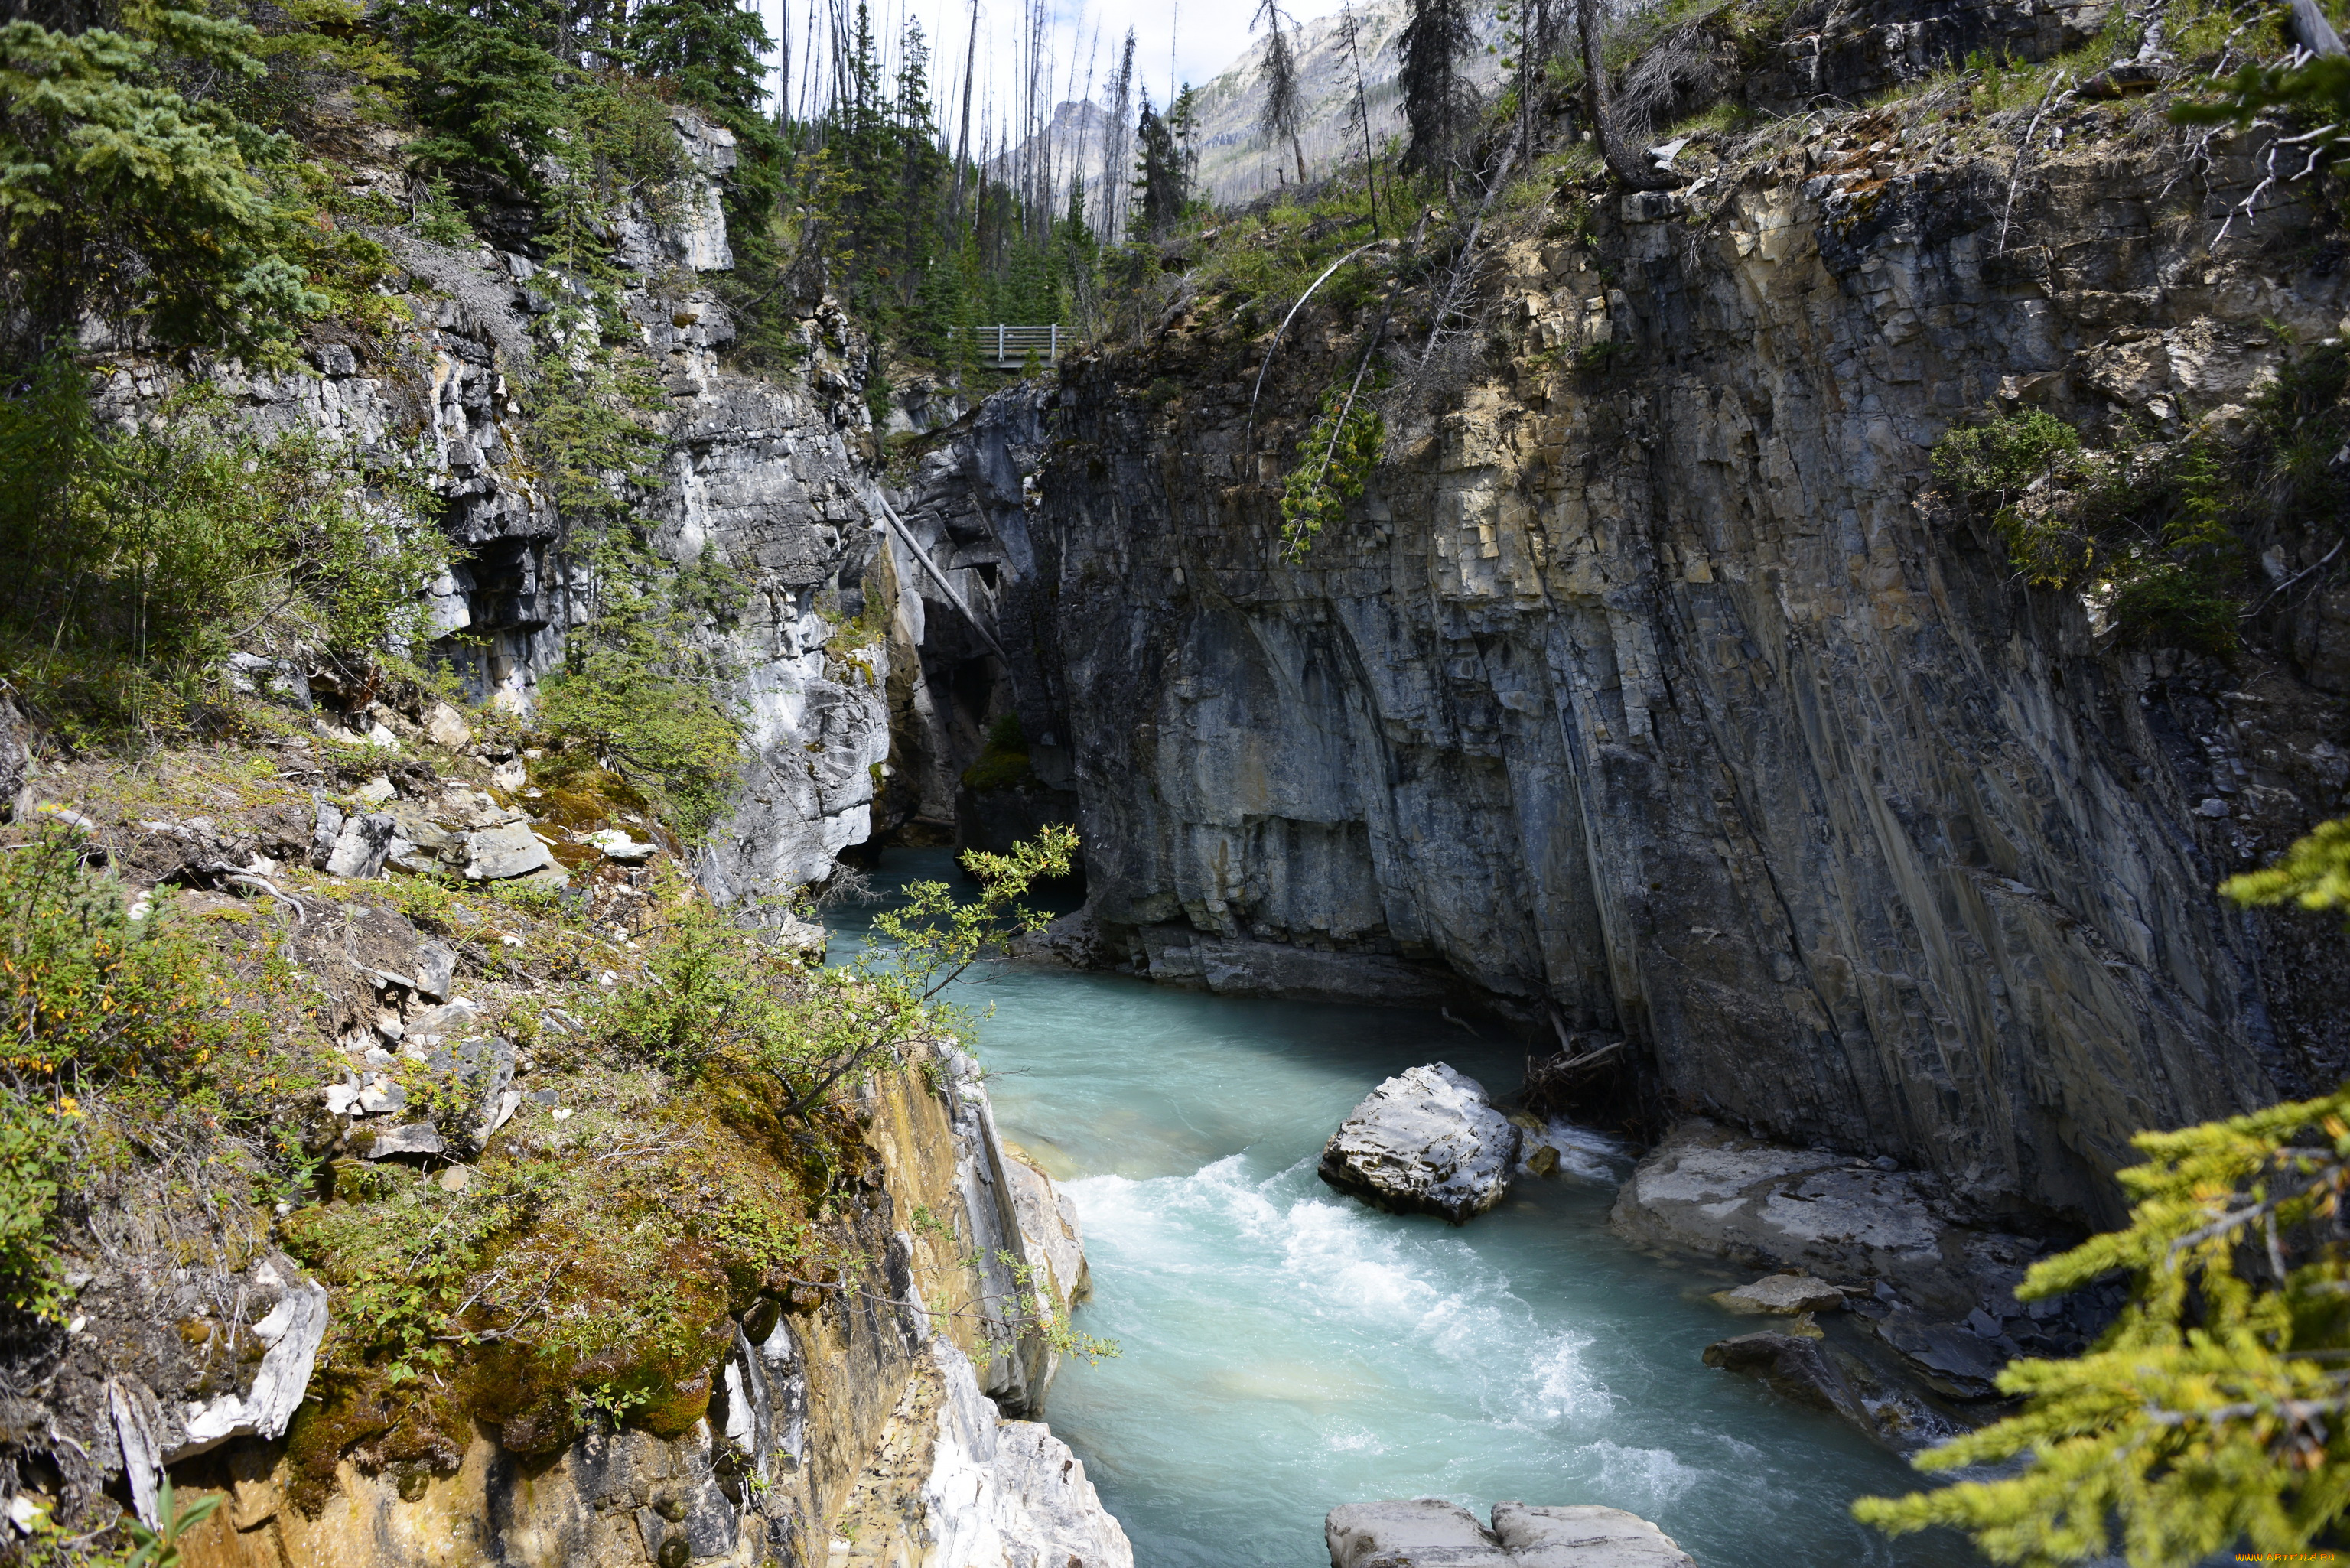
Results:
439 220
1335 460
146 557
675 737
29 1278
1003 763
2152 534
1991 463
93 997
590 1271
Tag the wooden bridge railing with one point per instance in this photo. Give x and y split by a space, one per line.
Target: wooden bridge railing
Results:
1006 347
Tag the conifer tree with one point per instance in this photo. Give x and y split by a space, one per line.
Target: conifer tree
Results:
1160 184
1277 73
2217 1409
119 197
1436 97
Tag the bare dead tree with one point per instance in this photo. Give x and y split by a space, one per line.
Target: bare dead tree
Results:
1621 163
1349 30
1114 144
962 139
1278 71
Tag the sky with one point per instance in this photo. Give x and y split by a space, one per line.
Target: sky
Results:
1181 40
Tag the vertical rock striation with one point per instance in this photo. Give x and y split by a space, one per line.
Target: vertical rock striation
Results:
1649 689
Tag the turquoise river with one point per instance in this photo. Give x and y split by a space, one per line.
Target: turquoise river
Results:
1284 1349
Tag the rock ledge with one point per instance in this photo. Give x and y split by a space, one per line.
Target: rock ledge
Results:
1429 1533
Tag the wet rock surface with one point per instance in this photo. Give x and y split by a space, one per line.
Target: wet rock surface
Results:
1782 1294
1426 1141
1708 1189
1806 1369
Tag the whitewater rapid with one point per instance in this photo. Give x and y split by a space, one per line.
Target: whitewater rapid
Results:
1284 1349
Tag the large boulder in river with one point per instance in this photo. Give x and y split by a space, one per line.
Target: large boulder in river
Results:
1426 1141
1429 1533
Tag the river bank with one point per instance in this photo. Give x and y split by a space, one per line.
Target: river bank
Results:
1286 1349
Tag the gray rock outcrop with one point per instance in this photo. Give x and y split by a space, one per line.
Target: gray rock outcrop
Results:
243 1377
1782 1294
1939 1292
503 854
1429 1533
359 846
1805 1370
1709 1190
769 478
16 760
1426 1141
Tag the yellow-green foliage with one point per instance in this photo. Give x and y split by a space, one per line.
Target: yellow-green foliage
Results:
937 937
49 1545
92 996
2212 1412
1335 460
2315 873
107 1018
2155 532
1996 461
30 1281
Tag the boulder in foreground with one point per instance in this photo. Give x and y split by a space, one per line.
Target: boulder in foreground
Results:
1426 1141
1429 1533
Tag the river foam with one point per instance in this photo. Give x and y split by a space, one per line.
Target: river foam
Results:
1285 1349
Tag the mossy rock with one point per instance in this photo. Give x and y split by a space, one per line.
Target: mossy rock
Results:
674 1410
997 770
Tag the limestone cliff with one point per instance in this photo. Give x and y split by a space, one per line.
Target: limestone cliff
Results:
1650 685
766 476
869 1400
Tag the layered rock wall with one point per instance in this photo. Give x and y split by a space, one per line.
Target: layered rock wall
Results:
1648 686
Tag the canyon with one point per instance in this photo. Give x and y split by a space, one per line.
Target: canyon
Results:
1653 700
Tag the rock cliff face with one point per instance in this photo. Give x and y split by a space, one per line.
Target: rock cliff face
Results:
875 1406
1648 688
871 1407
770 477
